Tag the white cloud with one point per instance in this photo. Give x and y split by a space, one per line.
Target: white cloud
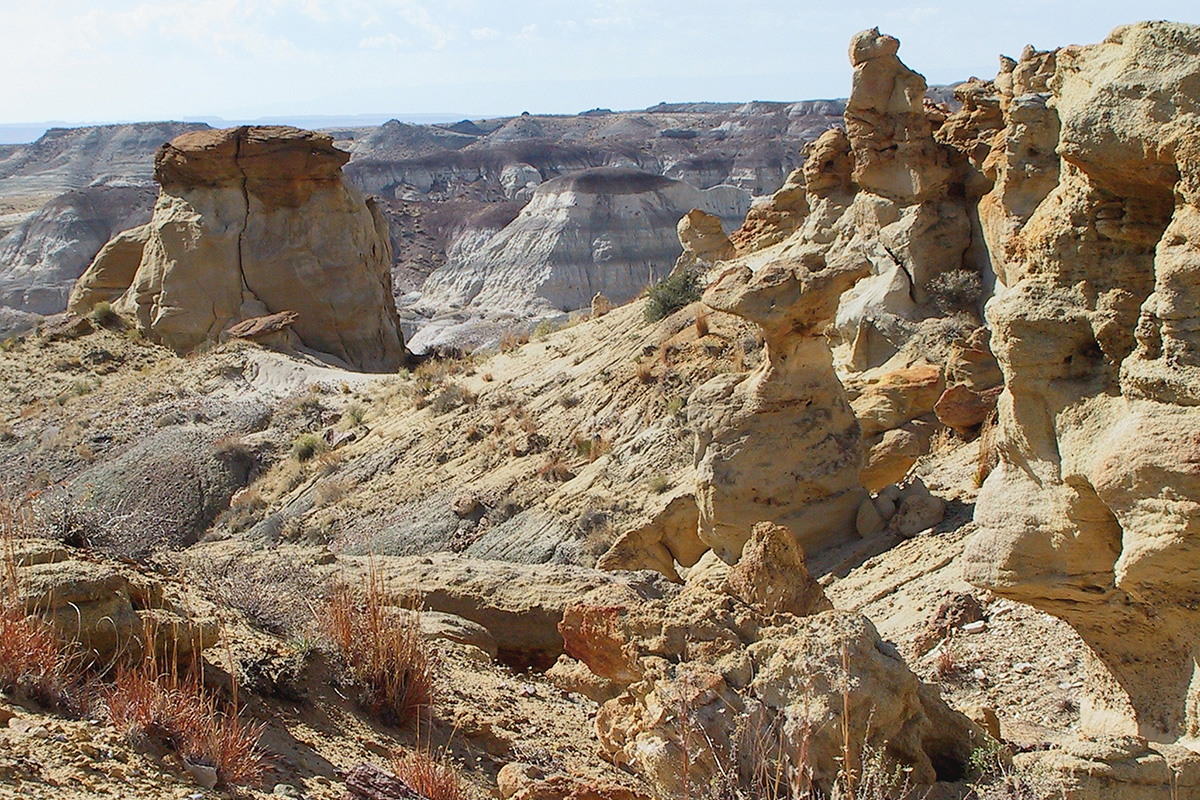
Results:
483 34
389 40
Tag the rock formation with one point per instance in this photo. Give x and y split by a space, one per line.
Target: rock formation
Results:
252 221
104 612
743 475
727 676
1093 512
855 242
703 240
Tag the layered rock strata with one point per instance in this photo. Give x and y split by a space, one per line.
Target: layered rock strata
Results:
252 221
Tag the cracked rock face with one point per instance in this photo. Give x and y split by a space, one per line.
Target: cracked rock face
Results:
252 221
1093 513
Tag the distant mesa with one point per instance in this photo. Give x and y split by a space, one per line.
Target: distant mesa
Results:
608 230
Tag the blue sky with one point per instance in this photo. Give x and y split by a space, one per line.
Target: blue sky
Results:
169 59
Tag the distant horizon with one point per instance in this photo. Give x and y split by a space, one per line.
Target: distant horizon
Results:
8 129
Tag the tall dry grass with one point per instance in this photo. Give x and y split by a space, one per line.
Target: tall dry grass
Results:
176 711
33 660
382 646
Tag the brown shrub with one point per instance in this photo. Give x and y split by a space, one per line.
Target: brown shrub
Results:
431 778
178 713
383 649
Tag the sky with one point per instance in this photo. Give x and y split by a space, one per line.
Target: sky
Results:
78 62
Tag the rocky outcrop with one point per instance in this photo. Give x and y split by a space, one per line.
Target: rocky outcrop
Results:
1093 512
703 240
252 221
856 242
519 605
723 678
106 613
742 475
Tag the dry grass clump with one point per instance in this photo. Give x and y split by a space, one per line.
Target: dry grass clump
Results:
989 449
307 446
33 660
512 339
450 397
383 648
271 590
431 778
701 322
591 447
178 713
555 468
658 483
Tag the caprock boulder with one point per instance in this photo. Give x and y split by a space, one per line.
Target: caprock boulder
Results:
252 221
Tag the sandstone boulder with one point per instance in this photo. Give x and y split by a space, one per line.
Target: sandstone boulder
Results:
105 612
252 221
771 577
703 240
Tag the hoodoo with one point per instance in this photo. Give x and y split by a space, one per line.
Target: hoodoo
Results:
252 221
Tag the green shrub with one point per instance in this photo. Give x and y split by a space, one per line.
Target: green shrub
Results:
669 295
308 446
103 315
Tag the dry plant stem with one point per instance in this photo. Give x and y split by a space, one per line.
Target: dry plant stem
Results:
848 774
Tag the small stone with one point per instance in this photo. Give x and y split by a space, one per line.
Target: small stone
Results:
979 626
22 725
286 790
1023 668
869 521
203 775
886 506
986 717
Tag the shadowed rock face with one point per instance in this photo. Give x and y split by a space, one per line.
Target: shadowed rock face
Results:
1093 513
252 221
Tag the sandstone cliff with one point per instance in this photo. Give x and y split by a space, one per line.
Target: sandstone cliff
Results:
1093 512
252 221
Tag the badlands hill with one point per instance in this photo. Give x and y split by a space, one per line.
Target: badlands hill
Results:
905 503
